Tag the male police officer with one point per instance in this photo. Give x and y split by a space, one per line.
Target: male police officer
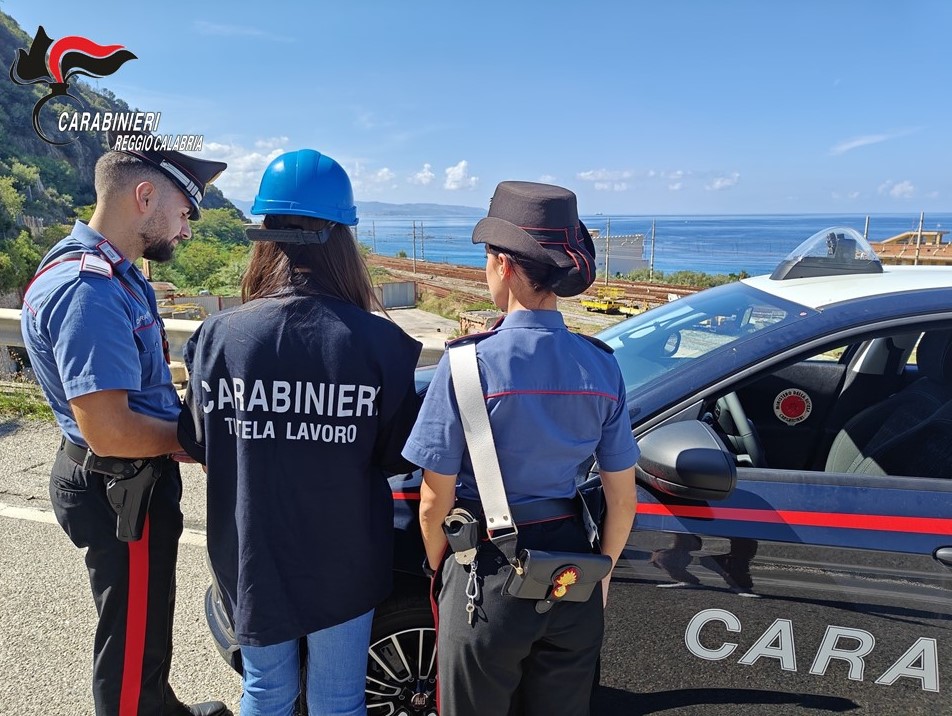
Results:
96 342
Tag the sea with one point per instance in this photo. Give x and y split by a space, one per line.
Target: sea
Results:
712 244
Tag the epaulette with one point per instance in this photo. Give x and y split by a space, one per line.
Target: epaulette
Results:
596 342
470 338
93 265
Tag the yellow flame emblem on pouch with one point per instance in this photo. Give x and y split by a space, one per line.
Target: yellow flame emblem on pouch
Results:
563 580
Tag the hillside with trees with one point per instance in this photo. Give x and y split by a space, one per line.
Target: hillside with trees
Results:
44 188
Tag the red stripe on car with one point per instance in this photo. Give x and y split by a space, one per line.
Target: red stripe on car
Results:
843 520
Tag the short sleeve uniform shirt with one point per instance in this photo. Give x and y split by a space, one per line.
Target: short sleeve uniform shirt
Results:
554 399
90 323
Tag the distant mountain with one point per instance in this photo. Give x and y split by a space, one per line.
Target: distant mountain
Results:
378 209
52 181
245 208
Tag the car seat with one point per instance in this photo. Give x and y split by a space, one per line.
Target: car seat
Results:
876 427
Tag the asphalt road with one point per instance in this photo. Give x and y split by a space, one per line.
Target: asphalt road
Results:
47 616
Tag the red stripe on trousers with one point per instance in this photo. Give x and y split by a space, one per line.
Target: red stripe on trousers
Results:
137 607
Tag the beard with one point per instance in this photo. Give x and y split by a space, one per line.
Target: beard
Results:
155 244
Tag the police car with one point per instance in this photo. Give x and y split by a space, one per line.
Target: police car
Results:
793 542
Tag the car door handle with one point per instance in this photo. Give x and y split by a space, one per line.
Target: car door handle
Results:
944 555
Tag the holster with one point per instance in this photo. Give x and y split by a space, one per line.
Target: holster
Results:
130 497
551 577
129 485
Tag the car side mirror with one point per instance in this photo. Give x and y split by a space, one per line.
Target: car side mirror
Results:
688 460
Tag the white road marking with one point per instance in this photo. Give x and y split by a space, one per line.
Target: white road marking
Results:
32 514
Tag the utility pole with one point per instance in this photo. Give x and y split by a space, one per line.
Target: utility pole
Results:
373 232
422 242
414 247
608 248
919 238
651 261
866 230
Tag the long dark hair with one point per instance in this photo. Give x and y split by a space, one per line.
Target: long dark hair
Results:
334 268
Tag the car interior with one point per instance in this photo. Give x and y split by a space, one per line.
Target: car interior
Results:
880 406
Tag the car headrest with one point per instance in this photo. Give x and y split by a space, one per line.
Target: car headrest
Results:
934 355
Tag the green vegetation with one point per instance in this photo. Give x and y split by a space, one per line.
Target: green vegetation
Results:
21 399
696 279
214 259
452 305
45 188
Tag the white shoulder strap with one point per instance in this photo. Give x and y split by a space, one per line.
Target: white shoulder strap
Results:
479 436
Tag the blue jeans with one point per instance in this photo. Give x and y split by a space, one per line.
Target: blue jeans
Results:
336 672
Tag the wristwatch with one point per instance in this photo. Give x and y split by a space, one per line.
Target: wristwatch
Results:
427 569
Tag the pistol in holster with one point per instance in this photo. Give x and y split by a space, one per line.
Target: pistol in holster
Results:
129 485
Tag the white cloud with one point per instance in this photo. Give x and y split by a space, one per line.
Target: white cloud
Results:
423 177
245 166
366 120
605 175
897 190
932 195
457 177
867 139
676 186
547 179
853 195
611 186
902 190
203 27
724 182
368 181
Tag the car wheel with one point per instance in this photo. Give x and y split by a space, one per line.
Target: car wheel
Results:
401 668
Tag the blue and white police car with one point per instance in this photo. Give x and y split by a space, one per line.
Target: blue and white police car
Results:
793 543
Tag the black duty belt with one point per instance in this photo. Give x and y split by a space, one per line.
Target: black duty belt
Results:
88 460
528 512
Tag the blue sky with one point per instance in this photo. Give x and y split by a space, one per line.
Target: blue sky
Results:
664 107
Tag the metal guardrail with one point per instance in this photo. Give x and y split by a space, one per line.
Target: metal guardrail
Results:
178 331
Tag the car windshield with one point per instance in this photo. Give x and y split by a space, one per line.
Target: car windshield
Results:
669 338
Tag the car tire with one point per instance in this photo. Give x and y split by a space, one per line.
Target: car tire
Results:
401 665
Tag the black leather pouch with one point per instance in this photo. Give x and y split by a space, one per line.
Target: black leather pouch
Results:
557 576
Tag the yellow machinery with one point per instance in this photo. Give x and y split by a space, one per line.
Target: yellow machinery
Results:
606 300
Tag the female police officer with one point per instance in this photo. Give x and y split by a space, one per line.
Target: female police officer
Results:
553 398
299 400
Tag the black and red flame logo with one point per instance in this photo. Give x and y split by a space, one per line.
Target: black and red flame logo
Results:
54 63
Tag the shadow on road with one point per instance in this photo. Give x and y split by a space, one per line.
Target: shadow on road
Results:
8 427
616 702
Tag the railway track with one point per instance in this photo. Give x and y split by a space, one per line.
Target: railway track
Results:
636 294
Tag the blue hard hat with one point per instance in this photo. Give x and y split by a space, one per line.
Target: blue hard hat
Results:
306 183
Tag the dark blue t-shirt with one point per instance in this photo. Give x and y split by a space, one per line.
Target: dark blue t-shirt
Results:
299 405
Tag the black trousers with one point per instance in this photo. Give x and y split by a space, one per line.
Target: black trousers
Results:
133 585
511 659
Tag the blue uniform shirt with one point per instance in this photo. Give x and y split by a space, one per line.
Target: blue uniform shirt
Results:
553 397
91 324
